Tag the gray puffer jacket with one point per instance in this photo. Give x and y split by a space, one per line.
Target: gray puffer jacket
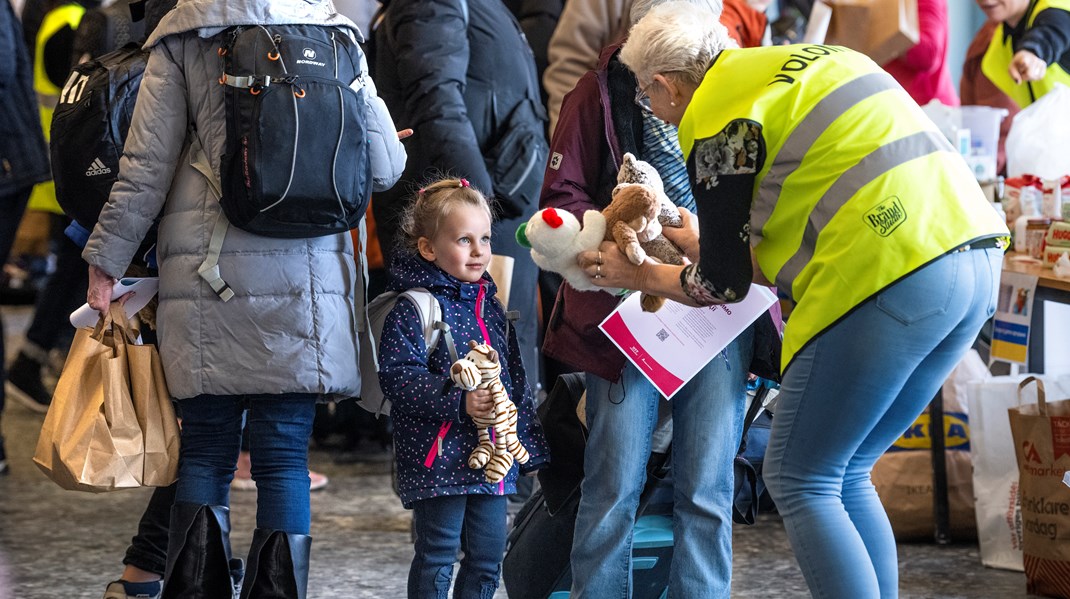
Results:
290 328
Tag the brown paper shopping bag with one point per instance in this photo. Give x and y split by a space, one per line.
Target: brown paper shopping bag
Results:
1041 434
155 415
94 435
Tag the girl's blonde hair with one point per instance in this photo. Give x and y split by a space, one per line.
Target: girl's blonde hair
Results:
432 204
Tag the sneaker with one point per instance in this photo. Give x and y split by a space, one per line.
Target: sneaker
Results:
3 457
117 590
317 481
24 384
237 575
242 484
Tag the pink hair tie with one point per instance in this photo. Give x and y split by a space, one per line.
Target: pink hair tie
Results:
464 183
422 190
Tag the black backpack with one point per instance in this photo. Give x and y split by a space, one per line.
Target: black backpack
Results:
89 129
297 161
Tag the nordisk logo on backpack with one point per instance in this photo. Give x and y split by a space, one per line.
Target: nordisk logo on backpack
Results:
310 58
97 168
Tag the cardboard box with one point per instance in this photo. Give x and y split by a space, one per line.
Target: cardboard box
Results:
880 29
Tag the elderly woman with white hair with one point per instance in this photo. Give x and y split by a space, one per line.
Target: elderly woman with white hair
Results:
811 167
600 121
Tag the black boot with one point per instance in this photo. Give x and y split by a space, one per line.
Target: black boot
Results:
198 553
24 376
277 566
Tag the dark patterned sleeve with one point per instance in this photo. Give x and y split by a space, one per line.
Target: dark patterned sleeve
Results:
723 169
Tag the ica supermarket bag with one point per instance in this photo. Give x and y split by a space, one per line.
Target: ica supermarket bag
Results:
111 424
995 472
1041 434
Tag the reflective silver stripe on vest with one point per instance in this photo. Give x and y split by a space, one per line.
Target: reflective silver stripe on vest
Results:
827 110
877 163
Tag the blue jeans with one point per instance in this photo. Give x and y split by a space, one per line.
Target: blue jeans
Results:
472 524
279 427
707 423
846 398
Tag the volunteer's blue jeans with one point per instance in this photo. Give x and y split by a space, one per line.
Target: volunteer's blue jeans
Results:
279 427
846 398
474 525
707 422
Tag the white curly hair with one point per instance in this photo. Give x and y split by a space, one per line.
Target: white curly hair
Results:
677 39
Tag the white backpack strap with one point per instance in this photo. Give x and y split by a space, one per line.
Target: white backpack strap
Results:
209 269
431 320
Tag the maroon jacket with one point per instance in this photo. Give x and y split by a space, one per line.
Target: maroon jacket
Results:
585 154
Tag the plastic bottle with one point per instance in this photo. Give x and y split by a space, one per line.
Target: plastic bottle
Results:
1020 225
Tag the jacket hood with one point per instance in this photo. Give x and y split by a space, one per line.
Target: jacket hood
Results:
209 17
409 270
607 54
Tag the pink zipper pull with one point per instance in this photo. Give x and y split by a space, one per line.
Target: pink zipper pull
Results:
436 447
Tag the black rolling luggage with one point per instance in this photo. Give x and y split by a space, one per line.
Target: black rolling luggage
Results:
536 564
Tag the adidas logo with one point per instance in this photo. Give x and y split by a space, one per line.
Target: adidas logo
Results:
97 168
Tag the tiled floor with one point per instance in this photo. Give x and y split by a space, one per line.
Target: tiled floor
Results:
56 543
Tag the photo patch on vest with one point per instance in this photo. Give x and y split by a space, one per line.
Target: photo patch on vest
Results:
736 150
886 216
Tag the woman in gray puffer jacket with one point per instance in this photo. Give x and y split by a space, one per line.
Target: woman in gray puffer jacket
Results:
288 335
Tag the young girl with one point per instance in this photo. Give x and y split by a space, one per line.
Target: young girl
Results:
447 250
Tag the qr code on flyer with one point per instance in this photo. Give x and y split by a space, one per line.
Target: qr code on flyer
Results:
662 335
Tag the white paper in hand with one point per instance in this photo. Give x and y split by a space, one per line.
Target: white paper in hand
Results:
144 288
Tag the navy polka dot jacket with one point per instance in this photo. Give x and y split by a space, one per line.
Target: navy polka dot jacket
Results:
433 435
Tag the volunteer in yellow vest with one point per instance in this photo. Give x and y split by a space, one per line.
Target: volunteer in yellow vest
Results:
51 65
1030 50
818 164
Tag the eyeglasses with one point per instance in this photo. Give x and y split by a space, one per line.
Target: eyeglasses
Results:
642 98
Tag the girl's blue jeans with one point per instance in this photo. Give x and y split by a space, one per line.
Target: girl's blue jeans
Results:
471 525
848 396
279 427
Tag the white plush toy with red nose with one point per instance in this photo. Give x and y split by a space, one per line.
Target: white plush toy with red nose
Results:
556 238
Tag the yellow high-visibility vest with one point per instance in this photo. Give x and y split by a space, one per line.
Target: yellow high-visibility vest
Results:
43 196
997 61
858 187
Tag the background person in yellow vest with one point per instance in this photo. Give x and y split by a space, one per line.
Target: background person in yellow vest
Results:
52 62
1030 50
816 162
67 285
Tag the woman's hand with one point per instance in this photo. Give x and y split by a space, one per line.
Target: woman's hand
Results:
479 403
1026 66
685 237
609 267
100 286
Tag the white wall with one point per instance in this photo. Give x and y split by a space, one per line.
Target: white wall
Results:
964 19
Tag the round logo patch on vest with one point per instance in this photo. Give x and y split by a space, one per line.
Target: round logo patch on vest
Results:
884 218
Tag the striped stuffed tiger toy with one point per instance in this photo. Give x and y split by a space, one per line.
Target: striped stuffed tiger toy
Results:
481 368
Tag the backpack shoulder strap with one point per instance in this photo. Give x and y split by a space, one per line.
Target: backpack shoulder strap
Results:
209 269
431 320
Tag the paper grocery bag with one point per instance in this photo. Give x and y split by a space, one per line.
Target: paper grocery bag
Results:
1041 434
93 438
155 415
501 270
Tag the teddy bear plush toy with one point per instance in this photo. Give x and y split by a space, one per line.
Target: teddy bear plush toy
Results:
481 368
635 216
